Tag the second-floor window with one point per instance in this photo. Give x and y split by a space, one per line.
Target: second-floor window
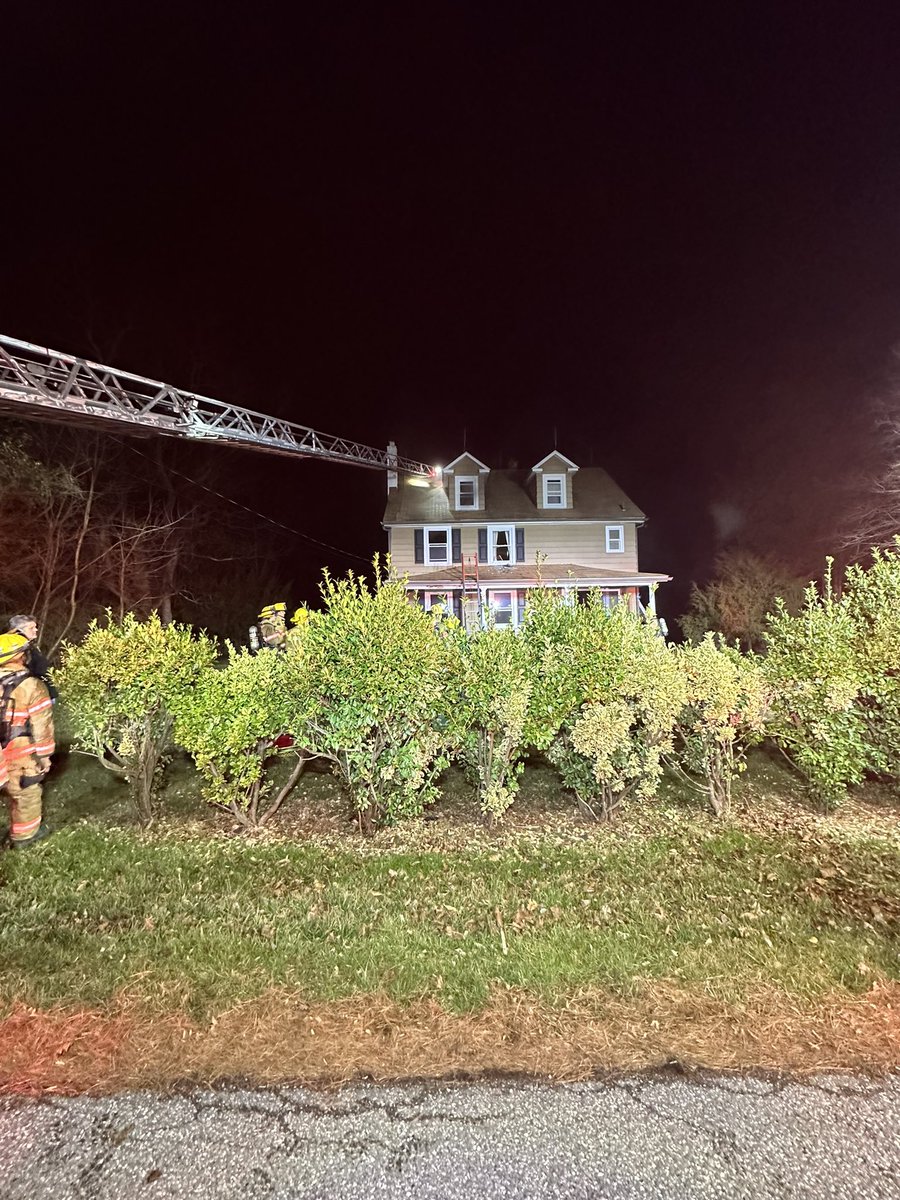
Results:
437 544
466 491
554 491
615 539
501 544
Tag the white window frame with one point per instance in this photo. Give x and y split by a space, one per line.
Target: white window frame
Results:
492 530
444 598
513 622
473 479
426 545
620 549
561 480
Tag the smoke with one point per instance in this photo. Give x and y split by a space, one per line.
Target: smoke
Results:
727 520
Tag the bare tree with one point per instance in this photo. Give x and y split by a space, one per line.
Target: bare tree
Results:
874 521
87 528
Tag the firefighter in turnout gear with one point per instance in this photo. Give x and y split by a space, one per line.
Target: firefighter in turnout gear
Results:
26 740
272 626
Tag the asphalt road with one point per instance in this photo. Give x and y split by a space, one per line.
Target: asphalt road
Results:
643 1136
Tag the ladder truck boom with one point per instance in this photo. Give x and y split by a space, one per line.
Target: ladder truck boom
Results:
38 383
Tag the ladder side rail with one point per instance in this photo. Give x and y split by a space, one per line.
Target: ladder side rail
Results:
72 384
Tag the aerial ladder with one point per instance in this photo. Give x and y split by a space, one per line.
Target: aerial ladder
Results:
43 384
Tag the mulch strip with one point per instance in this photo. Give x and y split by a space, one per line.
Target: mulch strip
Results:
279 1038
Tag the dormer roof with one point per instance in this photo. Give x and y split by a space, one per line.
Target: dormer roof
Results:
554 463
467 463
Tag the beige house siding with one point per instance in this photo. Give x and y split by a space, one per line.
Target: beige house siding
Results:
566 542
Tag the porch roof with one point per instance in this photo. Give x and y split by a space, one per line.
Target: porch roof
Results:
526 575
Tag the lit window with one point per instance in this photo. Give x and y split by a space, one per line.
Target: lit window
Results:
466 492
502 608
554 491
437 545
615 539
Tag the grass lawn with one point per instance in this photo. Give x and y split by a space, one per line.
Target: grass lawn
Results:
193 919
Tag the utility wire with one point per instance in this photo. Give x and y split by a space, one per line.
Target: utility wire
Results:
253 512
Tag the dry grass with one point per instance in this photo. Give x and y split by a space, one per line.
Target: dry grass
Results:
278 1038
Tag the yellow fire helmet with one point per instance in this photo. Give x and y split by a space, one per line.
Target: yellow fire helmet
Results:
301 617
12 644
273 612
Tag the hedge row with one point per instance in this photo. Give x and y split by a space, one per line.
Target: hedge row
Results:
390 695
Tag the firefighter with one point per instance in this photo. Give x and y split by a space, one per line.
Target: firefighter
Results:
37 663
272 627
26 740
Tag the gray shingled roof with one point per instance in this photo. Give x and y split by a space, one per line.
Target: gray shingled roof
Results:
510 496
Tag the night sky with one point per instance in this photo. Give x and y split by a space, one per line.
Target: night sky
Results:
672 235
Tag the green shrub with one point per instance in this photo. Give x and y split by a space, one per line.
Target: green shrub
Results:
818 681
562 641
495 685
121 684
873 602
726 705
229 723
630 692
375 679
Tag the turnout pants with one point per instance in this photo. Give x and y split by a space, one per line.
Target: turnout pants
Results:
25 797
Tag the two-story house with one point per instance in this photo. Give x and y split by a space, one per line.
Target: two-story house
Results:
477 539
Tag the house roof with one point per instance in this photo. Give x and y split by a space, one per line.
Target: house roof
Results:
596 497
547 575
466 457
554 455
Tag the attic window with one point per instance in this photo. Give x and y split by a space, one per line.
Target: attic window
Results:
554 491
466 491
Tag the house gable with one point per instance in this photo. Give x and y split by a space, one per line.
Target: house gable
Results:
555 463
464 483
466 464
553 482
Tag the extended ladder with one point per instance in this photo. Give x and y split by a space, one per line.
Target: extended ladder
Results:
472 611
36 382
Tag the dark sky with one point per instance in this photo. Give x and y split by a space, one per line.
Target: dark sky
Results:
671 233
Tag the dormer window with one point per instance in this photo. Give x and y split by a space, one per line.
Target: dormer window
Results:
554 491
467 491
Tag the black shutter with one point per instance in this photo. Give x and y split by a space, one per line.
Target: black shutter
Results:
456 537
419 535
520 545
456 597
521 606
482 546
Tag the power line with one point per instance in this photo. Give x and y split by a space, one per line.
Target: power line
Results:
253 512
